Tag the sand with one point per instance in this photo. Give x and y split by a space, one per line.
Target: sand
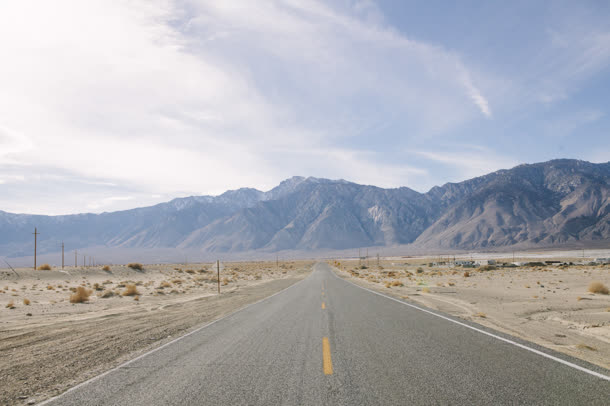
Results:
548 305
51 344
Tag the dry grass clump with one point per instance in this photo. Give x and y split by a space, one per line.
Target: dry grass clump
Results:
131 290
466 274
425 290
10 305
487 268
44 267
136 298
106 268
135 266
50 287
26 302
585 347
81 295
598 287
481 315
164 284
225 281
190 271
97 286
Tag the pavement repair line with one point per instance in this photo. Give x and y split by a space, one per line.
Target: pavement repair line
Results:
327 361
506 340
95 378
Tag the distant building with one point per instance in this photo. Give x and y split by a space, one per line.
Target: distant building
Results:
465 263
602 260
487 262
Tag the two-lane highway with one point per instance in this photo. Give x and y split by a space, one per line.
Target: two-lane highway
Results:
325 341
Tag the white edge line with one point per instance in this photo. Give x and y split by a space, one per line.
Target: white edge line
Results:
95 378
506 340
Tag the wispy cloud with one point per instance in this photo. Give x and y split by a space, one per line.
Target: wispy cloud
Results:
198 96
470 162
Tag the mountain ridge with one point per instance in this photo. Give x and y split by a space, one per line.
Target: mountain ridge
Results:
550 202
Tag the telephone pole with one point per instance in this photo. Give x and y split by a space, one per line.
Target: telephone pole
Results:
35 245
62 255
218 274
75 258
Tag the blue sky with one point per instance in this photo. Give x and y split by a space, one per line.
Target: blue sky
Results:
113 105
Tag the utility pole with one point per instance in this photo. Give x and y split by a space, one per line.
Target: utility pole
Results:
35 245
367 257
84 259
277 262
75 258
377 259
218 274
62 255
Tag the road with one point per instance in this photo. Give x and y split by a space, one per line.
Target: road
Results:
325 341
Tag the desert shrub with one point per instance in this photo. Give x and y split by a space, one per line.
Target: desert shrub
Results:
135 266
585 347
136 298
97 286
466 274
225 281
10 305
598 287
425 290
190 271
26 302
420 270
44 267
481 315
164 284
106 268
131 290
397 283
81 295
488 268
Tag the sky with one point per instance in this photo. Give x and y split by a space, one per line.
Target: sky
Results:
109 105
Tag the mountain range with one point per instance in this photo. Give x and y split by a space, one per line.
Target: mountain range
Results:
543 204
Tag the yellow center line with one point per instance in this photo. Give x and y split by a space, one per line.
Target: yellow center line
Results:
327 361
323 305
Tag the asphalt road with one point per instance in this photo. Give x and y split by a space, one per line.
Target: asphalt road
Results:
325 341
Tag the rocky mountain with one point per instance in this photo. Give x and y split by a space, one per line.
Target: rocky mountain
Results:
559 201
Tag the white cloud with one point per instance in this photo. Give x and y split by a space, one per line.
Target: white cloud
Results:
197 97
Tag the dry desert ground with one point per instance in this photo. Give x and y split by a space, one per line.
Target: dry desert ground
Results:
552 306
59 328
